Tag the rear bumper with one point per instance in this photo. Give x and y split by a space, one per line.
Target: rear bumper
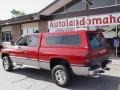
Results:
90 71
95 72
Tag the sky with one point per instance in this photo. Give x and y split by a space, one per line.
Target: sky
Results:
27 6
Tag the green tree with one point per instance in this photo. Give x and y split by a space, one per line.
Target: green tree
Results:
16 13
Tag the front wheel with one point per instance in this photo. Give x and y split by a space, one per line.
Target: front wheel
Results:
7 64
61 75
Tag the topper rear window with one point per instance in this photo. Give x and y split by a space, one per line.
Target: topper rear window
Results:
96 40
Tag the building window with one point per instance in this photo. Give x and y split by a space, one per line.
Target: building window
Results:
35 31
118 30
109 31
102 3
118 1
76 7
94 27
21 32
6 36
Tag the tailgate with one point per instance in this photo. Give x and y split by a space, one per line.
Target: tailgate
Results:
98 47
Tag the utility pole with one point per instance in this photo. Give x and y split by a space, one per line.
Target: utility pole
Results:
87 4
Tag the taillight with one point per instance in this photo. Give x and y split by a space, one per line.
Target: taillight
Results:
87 63
87 60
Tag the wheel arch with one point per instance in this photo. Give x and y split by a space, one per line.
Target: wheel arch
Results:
4 54
59 61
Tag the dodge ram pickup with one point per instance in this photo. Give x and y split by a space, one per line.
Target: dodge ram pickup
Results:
64 53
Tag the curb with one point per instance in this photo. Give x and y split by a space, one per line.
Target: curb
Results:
115 62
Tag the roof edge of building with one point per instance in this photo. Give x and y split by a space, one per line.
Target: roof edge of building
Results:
19 19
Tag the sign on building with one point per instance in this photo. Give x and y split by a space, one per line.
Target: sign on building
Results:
79 23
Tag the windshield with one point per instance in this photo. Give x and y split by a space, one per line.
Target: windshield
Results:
97 40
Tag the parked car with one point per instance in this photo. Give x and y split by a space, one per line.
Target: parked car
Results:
64 53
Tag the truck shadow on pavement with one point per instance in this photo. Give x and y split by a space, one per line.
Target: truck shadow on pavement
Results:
104 82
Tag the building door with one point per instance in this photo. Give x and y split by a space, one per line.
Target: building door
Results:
6 38
6 35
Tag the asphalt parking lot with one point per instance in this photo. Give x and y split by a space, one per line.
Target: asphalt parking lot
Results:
34 79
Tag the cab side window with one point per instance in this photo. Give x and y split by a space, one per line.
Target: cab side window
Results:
23 41
33 41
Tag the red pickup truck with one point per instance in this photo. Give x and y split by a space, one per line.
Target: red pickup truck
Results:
64 53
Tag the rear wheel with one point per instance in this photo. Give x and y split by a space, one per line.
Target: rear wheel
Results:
7 64
61 75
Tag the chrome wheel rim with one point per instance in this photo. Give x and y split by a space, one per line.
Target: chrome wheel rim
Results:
6 63
60 76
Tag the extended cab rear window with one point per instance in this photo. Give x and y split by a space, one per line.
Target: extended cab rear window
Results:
96 40
64 40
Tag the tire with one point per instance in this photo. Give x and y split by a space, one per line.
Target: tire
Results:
61 75
7 64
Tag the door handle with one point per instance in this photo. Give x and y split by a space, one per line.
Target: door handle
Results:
22 49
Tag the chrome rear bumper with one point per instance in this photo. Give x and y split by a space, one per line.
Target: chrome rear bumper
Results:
90 71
